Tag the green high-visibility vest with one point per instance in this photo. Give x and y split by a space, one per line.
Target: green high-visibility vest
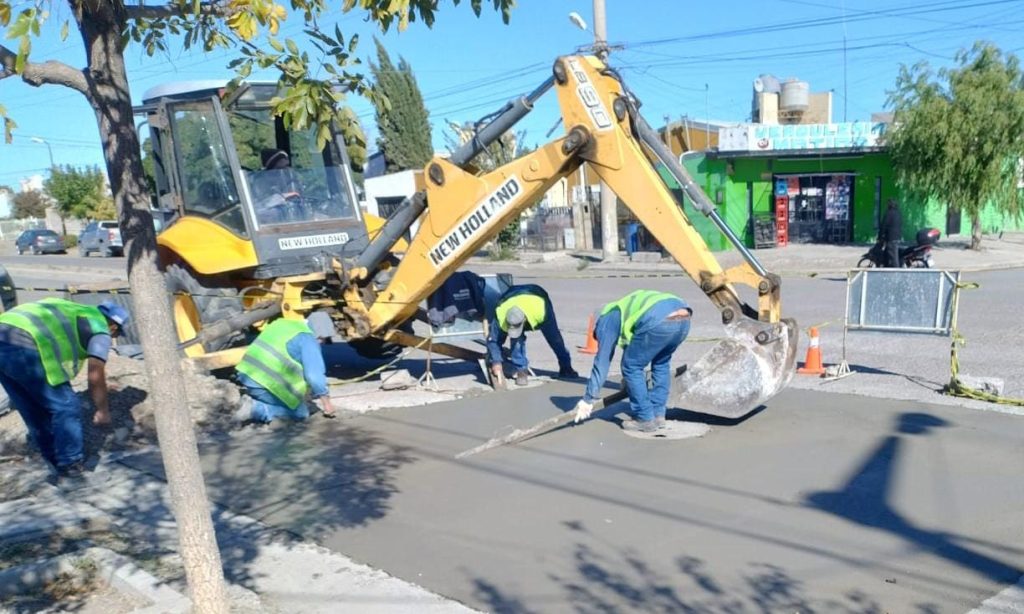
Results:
269 364
531 304
631 307
53 325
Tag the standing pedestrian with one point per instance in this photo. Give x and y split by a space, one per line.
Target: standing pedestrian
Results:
43 346
890 233
649 326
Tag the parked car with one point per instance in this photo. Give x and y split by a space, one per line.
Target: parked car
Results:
40 242
103 237
8 296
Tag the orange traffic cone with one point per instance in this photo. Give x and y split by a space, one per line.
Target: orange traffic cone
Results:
591 346
812 364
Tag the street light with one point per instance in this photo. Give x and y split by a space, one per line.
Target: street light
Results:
36 139
577 21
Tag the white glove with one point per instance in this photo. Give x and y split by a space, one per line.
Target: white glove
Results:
583 411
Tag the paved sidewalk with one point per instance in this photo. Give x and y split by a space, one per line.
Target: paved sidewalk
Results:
794 259
268 570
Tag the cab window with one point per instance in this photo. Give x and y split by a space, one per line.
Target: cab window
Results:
204 172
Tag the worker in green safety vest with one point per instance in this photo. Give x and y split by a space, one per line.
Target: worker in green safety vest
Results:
523 308
43 346
282 367
649 326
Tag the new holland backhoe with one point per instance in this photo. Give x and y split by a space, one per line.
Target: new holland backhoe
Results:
253 242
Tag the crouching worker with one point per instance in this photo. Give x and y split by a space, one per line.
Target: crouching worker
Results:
520 309
282 367
43 346
649 326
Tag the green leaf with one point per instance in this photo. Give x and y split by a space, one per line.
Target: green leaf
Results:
292 47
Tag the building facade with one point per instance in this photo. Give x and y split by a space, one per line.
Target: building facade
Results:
817 183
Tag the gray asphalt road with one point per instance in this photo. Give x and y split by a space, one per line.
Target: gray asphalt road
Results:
65 261
820 503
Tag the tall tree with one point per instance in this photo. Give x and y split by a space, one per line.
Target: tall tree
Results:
402 118
30 203
958 134
76 191
252 27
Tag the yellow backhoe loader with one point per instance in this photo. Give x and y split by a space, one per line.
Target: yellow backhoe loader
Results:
254 241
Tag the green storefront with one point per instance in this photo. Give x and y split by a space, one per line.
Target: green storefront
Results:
825 196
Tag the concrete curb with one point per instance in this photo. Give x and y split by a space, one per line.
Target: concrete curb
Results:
114 570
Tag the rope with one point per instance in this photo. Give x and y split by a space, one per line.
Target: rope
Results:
383 367
955 387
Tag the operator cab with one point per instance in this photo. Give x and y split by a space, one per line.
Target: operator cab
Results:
225 158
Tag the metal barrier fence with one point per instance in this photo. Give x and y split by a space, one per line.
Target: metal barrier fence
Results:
545 229
901 300
10 229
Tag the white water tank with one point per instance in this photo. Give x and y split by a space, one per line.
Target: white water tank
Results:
795 96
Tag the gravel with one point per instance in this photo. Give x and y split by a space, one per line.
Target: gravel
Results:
211 402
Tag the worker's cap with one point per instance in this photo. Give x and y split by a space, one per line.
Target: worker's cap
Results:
115 313
515 322
321 325
272 157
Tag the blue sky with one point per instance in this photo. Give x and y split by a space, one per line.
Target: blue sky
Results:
670 51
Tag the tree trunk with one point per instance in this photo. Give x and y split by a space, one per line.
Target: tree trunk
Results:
975 232
110 97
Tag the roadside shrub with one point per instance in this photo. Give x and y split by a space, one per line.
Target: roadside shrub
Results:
70 241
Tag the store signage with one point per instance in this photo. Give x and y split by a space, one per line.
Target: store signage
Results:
794 137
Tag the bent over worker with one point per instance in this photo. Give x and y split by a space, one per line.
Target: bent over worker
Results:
281 367
649 326
43 346
523 308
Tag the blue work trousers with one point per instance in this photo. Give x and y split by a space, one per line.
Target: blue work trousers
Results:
266 407
52 414
548 328
651 346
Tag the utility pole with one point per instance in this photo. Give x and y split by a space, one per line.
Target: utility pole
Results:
609 205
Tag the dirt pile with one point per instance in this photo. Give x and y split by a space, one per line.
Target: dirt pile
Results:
211 402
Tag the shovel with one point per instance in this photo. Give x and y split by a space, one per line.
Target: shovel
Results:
754 362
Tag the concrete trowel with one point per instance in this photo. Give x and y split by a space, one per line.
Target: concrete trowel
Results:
754 362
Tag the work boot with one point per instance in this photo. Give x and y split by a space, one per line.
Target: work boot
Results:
71 477
640 426
244 412
567 373
522 378
660 421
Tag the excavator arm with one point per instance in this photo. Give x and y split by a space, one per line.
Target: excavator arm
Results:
460 210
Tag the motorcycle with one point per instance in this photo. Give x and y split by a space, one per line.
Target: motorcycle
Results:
915 256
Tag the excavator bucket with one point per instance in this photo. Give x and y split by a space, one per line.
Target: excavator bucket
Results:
735 377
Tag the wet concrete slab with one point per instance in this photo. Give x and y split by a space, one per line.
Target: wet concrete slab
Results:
821 502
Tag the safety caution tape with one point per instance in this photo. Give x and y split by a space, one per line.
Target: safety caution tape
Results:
955 387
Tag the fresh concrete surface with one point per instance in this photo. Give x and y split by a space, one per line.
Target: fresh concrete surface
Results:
821 502
288 575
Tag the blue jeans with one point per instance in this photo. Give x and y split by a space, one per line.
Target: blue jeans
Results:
52 414
266 407
651 346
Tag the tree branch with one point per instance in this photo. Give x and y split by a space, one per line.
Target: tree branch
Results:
216 8
39 73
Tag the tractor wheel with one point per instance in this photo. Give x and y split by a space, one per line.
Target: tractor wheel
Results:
378 349
194 306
